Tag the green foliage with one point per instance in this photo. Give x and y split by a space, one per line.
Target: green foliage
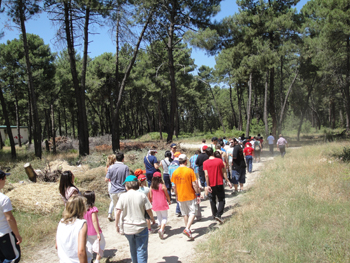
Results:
345 155
7 142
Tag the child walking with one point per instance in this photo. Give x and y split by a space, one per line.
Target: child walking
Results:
145 189
160 200
95 239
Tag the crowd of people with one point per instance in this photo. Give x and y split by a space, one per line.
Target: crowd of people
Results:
135 195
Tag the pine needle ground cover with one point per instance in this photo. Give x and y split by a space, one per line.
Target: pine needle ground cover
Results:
298 211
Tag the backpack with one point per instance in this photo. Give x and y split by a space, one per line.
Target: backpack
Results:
172 167
257 146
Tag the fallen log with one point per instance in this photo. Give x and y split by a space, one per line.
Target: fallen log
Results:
30 172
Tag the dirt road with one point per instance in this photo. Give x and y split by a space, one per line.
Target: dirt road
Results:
175 247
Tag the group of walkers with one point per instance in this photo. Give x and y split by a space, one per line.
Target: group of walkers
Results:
135 195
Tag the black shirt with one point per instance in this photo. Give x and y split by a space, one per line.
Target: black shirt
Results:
199 162
239 162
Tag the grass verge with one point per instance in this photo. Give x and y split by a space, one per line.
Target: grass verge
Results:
298 211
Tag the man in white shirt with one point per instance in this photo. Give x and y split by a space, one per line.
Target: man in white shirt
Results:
271 141
9 234
281 144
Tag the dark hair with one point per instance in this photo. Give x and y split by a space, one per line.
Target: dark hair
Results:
198 151
65 182
131 172
167 154
132 185
204 140
259 134
90 198
119 156
182 161
217 154
155 182
218 146
209 151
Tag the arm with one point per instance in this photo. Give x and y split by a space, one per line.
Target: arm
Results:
95 223
156 165
149 212
207 180
175 192
13 224
166 194
197 190
117 217
150 195
225 176
82 244
106 179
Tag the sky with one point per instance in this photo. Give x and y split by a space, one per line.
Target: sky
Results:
102 42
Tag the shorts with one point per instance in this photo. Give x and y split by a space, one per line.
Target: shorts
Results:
188 207
257 153
90 241
238 176
9 249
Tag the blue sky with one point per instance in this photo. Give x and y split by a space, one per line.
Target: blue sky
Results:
102 42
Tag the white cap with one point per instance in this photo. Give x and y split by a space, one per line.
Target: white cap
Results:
182 157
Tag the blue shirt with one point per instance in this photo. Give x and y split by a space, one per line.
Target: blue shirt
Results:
149 164
193 163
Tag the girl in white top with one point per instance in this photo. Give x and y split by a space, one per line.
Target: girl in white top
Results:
72 231
67 187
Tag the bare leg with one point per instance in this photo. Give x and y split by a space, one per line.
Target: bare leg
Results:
189 221
241 186
236 187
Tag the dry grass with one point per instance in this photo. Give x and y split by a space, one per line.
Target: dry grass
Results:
298 211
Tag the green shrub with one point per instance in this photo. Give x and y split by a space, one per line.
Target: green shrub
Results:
7 142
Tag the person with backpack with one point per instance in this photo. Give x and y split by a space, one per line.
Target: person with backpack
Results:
257 149
151 164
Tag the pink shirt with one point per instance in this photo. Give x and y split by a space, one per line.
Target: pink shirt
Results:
88 217
281 141
159 202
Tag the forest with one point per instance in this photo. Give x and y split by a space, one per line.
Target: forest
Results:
276 69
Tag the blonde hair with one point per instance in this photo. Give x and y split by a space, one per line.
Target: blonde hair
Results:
75 208
111 160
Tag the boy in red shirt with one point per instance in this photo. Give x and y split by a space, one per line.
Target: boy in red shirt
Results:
215 172
248 153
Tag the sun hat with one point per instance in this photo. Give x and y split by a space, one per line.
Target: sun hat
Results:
157 174
139 171
3 174
177 154
142 177
130 178
182 157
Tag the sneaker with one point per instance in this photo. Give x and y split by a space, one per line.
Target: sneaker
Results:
110 218
219 220
161 234
188 234
178 214
234 193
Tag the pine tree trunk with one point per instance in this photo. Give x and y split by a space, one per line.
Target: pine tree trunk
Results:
272 102
83 134
59 123
73 125
249 103
1 142
65 121
240 121
53 132
265 105
30 119
115 124
18 122
233 109
37 128
160 119
346 89
8 125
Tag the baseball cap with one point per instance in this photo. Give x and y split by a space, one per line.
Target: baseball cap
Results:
130 178
3 174
172 145
182 157
177 154
204 147
139 171
142 177
157 174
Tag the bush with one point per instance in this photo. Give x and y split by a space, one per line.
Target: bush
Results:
7 142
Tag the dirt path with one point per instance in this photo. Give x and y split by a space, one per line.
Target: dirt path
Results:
175 247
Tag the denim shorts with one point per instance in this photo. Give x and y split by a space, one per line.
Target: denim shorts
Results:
238 176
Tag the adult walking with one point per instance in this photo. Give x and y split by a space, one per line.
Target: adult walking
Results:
9 234
271 141
151 164
248 153
187 193
165 165
117 174
282 144
199 162
215 172
131 209
173 148
238 167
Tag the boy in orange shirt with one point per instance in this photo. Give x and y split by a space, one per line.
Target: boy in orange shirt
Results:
187 192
